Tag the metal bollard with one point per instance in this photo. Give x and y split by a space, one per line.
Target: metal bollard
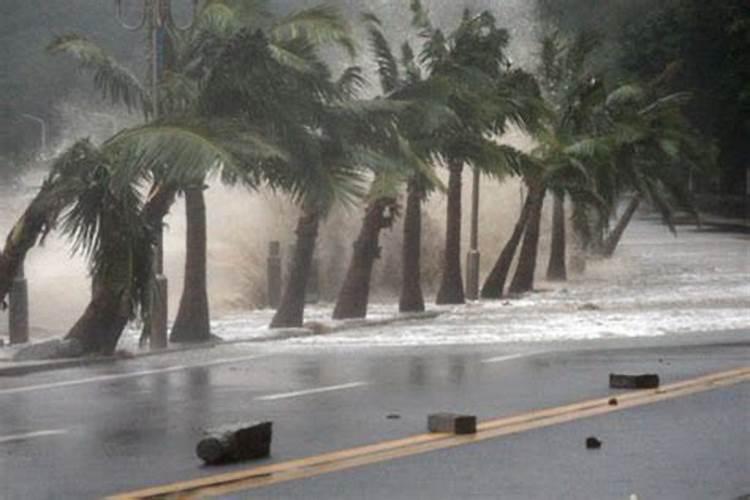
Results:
472 275
158 338
273 273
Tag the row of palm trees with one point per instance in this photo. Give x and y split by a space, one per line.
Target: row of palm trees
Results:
248 99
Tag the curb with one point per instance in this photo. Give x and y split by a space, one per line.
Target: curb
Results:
17 368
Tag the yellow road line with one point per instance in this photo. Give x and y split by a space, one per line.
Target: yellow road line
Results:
363 455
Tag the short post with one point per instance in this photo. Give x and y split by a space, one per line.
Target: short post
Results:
18 310
159 311
472 257
273 274
472 275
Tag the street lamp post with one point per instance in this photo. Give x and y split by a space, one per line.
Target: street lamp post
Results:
472 258
43 125
111 119
157 18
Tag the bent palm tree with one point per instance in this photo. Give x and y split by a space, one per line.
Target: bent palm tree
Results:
654 148
193 57
382 208
485 97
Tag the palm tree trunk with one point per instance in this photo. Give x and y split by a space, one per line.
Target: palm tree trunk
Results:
613 239
355 292
192 323
451 286
100 327
556 269
523 279
291 310
412 299
495 282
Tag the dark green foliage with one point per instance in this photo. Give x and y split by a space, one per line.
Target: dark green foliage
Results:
675 46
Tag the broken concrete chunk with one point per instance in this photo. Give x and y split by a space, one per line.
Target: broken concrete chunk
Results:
646 381
236 443
453 423
588 306
50 349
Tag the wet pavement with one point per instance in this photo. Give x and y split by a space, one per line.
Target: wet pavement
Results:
85 433
679 307
692 448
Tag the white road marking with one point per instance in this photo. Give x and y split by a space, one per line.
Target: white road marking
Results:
286 395
508 357
31 435
121 376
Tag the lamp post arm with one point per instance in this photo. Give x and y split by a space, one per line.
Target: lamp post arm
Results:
43 124
121 17
192 18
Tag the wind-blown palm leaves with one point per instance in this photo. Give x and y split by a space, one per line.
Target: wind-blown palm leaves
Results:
654 151
486 97
183 148
112 80
559 162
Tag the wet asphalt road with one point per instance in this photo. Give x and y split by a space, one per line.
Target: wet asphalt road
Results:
85 433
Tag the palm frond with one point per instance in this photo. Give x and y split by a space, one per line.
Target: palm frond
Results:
114 81
421 19
409 62
351 82
381 49
184 153
669 102
322 25
625 95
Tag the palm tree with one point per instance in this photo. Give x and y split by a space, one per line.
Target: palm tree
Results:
495 282
40 217
560 165
485 97
400 163
116 229
194 53
654 148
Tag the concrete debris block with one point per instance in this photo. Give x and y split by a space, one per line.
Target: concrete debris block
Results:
453 423
592 443
317 327
50 349
236 443
645 381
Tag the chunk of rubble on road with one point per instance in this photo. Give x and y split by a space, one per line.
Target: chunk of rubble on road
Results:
592 443
452 423
645 381
235 443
